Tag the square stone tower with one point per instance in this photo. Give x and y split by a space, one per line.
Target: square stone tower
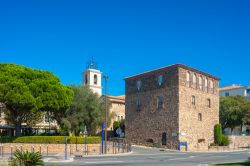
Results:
173 104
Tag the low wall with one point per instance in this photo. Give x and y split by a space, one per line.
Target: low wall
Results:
72 149
239 141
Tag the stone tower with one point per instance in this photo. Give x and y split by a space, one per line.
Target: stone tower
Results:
172 105
93 77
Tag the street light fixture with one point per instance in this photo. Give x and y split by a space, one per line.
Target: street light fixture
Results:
106 110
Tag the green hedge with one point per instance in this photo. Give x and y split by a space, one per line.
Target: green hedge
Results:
50 139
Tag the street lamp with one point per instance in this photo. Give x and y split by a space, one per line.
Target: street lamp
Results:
106 110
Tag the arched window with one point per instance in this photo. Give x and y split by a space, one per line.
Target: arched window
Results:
138 84
86 79
95 79
205 85
160 80
194 80
211 86
200 82
188 78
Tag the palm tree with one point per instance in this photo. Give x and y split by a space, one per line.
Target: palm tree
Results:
27 159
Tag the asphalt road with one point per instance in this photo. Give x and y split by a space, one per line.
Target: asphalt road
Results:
155 157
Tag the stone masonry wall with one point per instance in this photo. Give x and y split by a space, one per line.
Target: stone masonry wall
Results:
198 134
149 123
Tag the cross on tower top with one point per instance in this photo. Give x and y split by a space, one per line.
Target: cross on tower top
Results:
92 64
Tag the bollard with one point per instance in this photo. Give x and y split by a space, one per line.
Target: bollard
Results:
47 150
21 148
11 152
66 150
33 149
40 150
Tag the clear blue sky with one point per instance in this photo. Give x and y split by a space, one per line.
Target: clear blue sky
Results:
127 37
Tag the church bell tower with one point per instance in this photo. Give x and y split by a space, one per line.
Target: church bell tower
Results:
93 77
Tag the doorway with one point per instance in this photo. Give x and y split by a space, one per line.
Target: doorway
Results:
164 138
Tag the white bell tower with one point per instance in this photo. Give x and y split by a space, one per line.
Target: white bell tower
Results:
93 78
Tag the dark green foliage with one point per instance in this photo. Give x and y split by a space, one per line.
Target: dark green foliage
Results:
118 124
27 159
224 140
87 109
27 93
234 111
217 134
51 139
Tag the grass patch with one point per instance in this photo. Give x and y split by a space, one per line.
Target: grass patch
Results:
247 163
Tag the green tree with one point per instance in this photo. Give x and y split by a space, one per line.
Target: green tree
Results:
87 109
27 93
234 111
217 134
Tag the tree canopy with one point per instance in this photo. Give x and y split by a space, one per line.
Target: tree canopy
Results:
87 109
234 111
27 92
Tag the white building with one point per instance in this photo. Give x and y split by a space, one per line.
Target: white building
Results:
234 90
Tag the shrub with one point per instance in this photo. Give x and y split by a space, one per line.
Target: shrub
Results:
225 140
51 139
217 134
27 159
89 140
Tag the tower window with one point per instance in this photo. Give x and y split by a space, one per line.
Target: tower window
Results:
209 103
86 79
199 117
160 103
188 78
211 86
139 84
200 82
206 84
195 80
160 80
95 79
138 105
193 100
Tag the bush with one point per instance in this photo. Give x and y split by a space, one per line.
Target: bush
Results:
224 141
51 139
27 159
89 140
217 134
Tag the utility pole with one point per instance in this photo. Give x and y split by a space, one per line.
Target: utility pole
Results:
106 110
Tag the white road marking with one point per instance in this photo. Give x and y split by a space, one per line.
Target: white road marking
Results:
182 158
159 157
101 162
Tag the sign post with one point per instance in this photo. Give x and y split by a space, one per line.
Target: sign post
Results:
118 132
103 136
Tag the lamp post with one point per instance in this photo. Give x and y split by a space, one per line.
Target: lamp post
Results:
85 132
106 110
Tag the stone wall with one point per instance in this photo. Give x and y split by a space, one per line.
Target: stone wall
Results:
239 141
178 118
149 123
73 149
198 134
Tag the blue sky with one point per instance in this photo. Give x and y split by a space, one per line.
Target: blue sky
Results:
127 37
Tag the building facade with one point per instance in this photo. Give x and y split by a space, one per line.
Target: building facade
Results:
234 90
171 105
117 109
